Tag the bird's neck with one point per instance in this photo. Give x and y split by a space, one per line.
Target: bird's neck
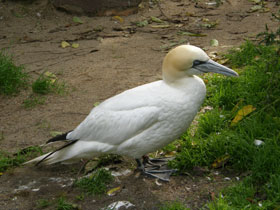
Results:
185 82
171 75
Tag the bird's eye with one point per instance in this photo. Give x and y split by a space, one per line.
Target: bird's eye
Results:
197 62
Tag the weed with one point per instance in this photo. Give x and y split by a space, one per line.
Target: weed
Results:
219 204
9 161
12 77
42 85
62 204
80 197
60 88
172 146
96 183
173 206
33 101
270 37
43 203
45 84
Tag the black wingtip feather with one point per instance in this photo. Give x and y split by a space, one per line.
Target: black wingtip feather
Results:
61 137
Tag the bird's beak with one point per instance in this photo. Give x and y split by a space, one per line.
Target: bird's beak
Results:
212 66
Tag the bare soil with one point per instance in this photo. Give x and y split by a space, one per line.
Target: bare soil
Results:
107 62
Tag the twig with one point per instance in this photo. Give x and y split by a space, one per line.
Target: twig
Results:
51 52
56 58
78 113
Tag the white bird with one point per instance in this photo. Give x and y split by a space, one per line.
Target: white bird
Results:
145 118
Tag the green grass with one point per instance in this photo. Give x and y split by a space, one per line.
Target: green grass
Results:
47 84
12 77
43 203
96 183
43 85
62 204
259 86
33 100
270 37
80 197
245 195
173 206
8 161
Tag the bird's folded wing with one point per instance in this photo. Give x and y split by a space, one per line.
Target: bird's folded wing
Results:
115 126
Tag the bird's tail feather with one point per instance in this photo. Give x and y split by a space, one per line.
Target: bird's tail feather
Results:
37 159
51 157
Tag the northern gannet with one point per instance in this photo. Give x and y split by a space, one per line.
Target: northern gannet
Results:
145 118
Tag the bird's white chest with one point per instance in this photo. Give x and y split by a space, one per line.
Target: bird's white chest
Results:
181 104
178 106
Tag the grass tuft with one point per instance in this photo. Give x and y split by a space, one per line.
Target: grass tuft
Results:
9 161
270 37
62 204
32 101
12 77
45 84
42 203
173 206
96 183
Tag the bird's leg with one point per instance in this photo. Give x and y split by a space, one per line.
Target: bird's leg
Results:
140 164
84 163
155 170
82 168
156 162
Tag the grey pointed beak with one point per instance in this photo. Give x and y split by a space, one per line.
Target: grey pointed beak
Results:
212 66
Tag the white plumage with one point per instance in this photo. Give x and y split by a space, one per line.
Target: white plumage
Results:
145 118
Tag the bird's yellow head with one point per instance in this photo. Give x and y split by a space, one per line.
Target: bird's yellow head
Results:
188 60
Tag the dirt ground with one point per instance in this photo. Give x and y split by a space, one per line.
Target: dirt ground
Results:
113 55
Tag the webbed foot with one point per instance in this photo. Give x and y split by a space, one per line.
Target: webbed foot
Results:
156 167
